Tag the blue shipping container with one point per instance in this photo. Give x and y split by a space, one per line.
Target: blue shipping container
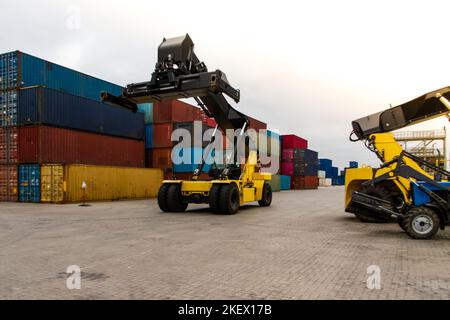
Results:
188 159
29 183
326 165
18 69
8 108
147 110
285 182
51 107
335 172
148 136
353 164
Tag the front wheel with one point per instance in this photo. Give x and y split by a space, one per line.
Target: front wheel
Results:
229 199
266 200
421 223
175 200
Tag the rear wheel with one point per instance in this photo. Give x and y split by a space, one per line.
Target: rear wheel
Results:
175 200
229 200
374 191
214 196
162 197
266 200
421 223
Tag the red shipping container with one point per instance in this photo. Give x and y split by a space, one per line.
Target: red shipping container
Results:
175 111
43 144
292 141
8 183
8 145
162 158
303 183
162 135
256 124
287 169
288 155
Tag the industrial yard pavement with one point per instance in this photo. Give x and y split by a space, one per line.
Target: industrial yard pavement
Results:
303 247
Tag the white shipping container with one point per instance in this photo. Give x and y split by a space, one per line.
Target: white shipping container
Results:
321 174
325 182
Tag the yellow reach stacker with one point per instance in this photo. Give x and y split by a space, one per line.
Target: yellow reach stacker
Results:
180 74
400 187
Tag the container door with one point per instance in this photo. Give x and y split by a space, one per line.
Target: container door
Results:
52 183
29 183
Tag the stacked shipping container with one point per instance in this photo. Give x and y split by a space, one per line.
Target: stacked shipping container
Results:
300 163
52 114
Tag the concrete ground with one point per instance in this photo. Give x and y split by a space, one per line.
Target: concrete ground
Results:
303 247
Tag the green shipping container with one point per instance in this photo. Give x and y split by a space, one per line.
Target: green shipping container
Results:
275 183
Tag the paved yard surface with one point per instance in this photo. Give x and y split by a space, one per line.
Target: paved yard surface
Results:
303 247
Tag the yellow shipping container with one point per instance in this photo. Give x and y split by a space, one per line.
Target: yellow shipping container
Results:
64 183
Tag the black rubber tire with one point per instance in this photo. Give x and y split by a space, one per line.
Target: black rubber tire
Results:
266 200
376 191
401 222
174 199
214 196
410 217
162 197
229 199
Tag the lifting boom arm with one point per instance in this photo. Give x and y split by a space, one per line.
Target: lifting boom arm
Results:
429 106
180 74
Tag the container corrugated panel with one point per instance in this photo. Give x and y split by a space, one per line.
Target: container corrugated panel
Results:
275 183
8 145
8 183
188 159
292 141
18 69
43 144
162 135
285 182
52 183
304 183
147 110
256 124
29 183
110 183
161 158
50 107
8 108
175 111
149 136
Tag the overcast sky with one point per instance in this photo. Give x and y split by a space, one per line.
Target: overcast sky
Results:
304 67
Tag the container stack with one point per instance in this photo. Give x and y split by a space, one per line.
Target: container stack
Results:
167 117
300 163
50 114
325 173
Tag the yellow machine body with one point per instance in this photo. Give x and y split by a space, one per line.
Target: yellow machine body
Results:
388 148
250 183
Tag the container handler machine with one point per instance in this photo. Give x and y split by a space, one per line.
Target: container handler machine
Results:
400 188
180 74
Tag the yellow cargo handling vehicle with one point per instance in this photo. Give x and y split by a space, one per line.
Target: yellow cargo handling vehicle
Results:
180 74
400 187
